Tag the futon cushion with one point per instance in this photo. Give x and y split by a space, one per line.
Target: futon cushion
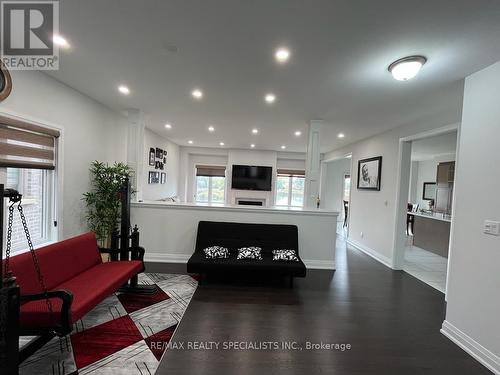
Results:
285 255
88 288
249 253
58 262
216 252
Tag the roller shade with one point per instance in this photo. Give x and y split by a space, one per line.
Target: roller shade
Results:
291 173
210 171
26 145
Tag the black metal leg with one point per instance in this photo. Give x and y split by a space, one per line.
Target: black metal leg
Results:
291 282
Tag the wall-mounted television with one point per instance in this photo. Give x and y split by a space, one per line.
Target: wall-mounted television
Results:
248 177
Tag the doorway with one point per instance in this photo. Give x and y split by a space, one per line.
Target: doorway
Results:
423 225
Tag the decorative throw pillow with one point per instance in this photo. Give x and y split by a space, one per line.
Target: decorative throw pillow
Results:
285 255
216 252
249 253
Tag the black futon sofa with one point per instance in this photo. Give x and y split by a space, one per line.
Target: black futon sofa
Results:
235 235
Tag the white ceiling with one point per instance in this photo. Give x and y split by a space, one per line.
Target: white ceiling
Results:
337 72
434 147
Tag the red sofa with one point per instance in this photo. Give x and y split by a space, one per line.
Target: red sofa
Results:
76 278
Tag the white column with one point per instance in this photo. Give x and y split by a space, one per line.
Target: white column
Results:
313 164
135 148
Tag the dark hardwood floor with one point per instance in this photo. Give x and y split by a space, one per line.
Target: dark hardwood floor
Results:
390 319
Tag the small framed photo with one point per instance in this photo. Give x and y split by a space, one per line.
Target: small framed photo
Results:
165 152
157 165
151 177
369 173
163 178
152 156
164 160
161 165
157 177
159 153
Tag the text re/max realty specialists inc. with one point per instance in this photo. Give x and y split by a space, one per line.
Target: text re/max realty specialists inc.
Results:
249 345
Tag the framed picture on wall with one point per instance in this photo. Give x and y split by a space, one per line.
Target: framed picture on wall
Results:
157 177
369 173
151 177
159 153
163 178
151 156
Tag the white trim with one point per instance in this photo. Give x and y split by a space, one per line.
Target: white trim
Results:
369 251
472 347
183 258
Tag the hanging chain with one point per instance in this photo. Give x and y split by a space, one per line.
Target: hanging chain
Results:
9 241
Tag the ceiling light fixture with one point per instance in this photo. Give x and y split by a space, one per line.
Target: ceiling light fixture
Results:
190 142
283 147
252 145
60 41
197 94
222 143
168 126
270 98
211 128
407 67
124 89
282 55
255 131
298 133
341 135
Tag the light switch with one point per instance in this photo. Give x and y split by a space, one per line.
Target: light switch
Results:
492 227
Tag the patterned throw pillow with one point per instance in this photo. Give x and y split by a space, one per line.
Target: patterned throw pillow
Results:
216 252
285 255
249 253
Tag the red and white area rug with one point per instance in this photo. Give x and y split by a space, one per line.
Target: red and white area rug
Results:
126 334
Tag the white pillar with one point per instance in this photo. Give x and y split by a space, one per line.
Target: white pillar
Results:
313 164
135 148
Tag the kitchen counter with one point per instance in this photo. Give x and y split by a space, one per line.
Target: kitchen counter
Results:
432 215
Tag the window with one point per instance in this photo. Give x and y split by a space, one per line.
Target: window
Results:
347 187
210 184
290 188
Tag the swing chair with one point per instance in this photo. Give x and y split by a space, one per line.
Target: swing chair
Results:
44 292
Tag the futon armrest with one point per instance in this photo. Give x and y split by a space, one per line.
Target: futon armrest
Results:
137 252
67 299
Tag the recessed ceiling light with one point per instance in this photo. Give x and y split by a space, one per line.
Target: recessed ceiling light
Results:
60 41
298 133
211 128
222 143
252 145
283 147
255 131
282 55
270 98
190 142
197 94
407 67
341 135
168 126
124 89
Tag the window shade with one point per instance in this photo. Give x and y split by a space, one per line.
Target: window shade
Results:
210 171
291 172
26 145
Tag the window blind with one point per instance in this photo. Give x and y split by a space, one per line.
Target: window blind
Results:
26 145
210 171
291 173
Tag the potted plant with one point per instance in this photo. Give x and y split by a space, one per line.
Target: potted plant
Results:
103 201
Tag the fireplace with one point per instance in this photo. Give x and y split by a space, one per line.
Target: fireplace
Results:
250 202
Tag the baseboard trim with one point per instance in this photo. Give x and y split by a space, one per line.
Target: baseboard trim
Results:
472 347
372 253
183 258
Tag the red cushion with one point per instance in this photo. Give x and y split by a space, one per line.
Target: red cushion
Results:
59 262
89 289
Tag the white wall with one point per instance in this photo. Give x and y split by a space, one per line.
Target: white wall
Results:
90 132
171 168
373 213
333 184
473 309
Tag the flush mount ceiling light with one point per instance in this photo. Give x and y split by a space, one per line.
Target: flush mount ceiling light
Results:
298 133
60 41
197 94
190 142
252 145
341 135
282 55
168 126
124 89
211 128
283 147
407 67
270 98
222 143
255 131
